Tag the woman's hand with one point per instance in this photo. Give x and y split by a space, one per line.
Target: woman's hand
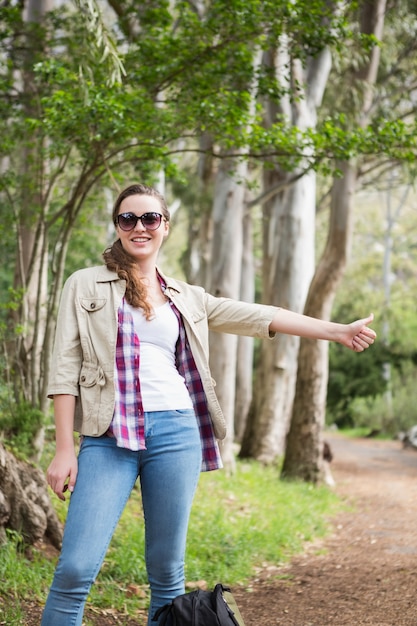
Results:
62 473
357 336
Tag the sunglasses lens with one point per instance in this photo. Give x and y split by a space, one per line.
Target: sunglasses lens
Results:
127 221
151 221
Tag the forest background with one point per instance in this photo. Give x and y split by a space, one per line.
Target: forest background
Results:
283 135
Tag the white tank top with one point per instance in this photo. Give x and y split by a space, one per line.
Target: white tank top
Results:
162 387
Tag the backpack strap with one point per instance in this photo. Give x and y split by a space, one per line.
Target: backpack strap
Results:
163 614
231 603
226 607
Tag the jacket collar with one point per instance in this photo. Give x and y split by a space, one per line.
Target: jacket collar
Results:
104 275
170 283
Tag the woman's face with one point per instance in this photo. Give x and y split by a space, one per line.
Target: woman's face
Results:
142 243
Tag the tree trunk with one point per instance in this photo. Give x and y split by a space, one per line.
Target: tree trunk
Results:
226 262
226 272
25 506
197 259
303 457
245 345
32 249
287 271
288 261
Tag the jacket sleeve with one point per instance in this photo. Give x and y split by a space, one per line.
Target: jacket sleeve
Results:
67 353
239 318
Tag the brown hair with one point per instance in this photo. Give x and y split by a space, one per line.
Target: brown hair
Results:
119 261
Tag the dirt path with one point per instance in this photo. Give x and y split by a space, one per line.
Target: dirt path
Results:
366 571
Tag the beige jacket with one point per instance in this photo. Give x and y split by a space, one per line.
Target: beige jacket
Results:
84 352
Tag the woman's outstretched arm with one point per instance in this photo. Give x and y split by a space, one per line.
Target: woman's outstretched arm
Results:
356 336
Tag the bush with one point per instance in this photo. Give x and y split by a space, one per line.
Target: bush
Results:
19 425
352 379
388 412
389 416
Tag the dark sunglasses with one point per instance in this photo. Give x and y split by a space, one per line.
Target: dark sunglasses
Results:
128 221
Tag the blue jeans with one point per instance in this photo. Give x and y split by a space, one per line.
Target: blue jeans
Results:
168 469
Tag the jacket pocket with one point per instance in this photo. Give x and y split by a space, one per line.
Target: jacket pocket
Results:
92 381
91 374
91 305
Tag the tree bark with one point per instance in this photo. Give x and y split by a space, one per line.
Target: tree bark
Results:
227 244
25 506
196 261
31 272
303 458
288 261
245 345
226 272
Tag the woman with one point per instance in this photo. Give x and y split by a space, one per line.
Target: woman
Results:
130 373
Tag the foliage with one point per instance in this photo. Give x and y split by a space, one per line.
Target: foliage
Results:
350 378
10 300
357 386
356 383
390 414
237 522
99 41
19 425
163 98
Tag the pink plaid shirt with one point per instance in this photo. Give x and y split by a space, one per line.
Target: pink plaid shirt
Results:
128 423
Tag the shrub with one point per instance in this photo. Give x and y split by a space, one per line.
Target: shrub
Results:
19 425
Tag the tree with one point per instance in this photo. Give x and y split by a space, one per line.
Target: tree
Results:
303 456
288 239
226 273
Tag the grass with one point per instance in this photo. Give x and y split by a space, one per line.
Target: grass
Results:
238 523
364 431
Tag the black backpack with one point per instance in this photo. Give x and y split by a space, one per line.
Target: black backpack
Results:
201 608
